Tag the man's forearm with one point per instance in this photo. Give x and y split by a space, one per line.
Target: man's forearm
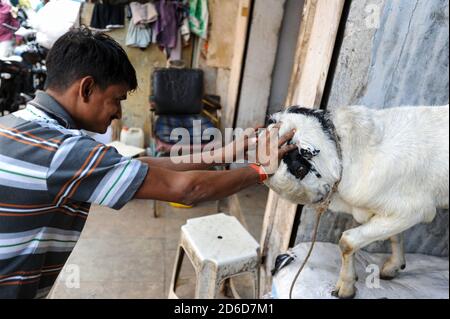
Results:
184 163
194 186
209 186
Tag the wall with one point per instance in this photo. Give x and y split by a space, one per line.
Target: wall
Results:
216 59
402 58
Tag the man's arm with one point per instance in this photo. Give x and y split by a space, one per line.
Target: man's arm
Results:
194 186
180 164
218 157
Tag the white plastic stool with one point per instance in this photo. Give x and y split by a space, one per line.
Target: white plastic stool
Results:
219 247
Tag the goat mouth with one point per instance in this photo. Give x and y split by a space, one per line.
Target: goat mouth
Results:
319 200
323 196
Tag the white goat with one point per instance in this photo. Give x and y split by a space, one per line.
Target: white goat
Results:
391 166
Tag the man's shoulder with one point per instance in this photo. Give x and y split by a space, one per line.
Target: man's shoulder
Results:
34 130
32 141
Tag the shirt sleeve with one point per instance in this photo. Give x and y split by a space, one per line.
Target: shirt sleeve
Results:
87 171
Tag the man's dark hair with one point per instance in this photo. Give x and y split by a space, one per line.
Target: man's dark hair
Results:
81 52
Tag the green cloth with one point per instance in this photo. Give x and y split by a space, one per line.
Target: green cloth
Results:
198 17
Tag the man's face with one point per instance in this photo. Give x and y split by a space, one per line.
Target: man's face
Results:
103 107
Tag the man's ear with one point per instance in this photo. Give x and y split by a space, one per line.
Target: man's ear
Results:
87 85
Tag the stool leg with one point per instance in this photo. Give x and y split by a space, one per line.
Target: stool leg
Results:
256 275
155 209
176 272
207 286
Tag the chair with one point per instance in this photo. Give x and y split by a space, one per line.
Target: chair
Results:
177 101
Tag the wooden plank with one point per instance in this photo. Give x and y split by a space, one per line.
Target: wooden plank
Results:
242 24
318 31
317 42
259 63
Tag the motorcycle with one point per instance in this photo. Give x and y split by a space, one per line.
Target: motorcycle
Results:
23 73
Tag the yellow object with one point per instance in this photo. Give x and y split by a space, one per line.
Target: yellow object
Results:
176 205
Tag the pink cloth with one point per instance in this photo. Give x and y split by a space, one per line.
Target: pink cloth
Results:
6 17
143 13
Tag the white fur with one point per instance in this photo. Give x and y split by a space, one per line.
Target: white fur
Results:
395 173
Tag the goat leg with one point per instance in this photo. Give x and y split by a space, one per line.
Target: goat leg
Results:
397 260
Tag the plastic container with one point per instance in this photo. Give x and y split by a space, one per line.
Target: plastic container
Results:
177 205
132 136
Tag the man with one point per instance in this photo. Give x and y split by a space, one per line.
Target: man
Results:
51 172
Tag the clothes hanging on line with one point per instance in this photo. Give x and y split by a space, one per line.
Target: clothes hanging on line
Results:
106 17
115 2
171 17
166 27
185 31
138 35
143 13
176 53
199 17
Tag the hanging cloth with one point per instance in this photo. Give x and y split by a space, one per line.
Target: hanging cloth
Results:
138 35
198 17
166 27
143 13
106 17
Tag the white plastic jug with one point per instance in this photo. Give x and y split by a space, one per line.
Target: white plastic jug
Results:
132 136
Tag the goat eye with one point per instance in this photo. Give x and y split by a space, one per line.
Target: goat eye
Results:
306 154
302 172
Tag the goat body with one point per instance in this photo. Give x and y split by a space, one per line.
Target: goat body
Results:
392 167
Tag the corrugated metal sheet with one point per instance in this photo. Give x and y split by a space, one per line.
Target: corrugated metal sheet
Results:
401 59
410 55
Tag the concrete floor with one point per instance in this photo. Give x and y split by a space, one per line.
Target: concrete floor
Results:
130 254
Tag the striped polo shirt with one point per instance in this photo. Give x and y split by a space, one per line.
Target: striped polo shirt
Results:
50 173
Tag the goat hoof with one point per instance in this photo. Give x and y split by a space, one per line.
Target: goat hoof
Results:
391 270
337 293
349 297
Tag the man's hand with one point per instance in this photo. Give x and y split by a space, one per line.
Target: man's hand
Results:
237 151
266 148
271 149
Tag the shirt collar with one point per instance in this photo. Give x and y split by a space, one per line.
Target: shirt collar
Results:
49 105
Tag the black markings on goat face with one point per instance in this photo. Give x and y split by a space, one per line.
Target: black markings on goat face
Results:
308 154
298 162
320 115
